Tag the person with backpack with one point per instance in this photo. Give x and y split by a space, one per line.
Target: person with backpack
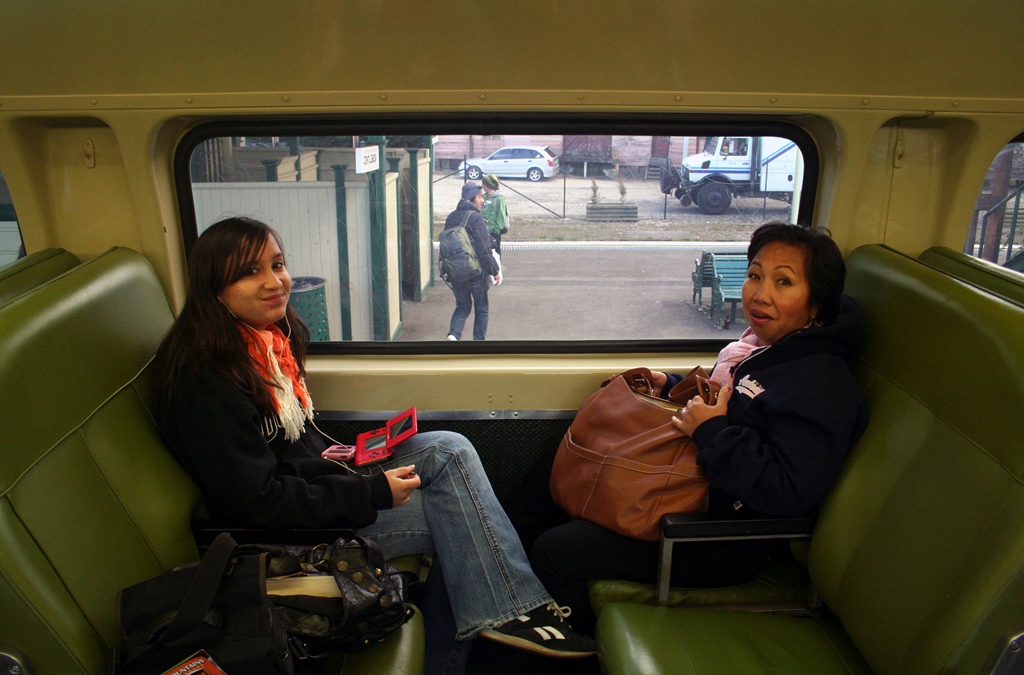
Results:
467 262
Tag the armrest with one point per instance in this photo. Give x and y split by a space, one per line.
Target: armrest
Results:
720 527
677 527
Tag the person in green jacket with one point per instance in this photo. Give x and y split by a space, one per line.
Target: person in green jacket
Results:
495 212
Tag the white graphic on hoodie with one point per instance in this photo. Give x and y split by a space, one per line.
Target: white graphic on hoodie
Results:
749 387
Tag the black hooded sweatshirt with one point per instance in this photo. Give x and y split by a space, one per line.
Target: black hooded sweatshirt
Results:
795 413
251 474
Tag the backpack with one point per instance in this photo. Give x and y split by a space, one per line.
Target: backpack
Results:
458 258
495 213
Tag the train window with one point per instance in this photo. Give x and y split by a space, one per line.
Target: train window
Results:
604 232
11 247
997 227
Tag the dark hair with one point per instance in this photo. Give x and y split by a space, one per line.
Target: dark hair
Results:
826 269
206 330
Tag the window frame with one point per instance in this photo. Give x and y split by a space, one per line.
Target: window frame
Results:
489 125
974 240
8 213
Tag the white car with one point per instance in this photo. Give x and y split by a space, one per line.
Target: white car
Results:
533 163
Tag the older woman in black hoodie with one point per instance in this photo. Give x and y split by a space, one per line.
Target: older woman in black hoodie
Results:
775 441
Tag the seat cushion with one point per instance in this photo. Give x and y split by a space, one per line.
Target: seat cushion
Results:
639 639
400 652
784 584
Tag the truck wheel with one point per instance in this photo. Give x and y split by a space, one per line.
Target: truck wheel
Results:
713 199
669 180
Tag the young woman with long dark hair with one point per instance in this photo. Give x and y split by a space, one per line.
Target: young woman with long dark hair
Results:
234 408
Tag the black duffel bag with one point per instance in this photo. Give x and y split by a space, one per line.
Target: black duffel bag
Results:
341 595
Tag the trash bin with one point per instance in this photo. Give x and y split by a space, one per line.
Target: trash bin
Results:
309 300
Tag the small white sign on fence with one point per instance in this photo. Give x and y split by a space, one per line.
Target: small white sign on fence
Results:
367 159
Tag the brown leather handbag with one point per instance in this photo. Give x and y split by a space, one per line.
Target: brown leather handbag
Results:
622 464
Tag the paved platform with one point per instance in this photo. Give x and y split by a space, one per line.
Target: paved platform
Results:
584 291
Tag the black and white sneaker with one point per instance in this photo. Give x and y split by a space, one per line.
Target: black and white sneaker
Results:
544 631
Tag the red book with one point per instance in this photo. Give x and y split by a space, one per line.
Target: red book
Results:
199 663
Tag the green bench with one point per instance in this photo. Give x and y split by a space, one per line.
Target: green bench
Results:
918 552
703 274
91 501
727 287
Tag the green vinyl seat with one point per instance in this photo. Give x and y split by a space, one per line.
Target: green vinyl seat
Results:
91 501
783 586
981 273
918 552
721 642
26 273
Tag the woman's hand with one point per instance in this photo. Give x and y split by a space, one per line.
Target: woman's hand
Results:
658 381
402 481
696 411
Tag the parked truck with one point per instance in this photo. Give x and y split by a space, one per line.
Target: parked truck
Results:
729 166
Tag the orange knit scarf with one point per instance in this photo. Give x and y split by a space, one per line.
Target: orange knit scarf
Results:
272 353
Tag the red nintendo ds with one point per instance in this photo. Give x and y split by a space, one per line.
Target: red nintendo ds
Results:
373 446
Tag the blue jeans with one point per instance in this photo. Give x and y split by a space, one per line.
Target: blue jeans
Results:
466 294
484 578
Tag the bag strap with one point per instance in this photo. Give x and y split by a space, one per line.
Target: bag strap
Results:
197 601
201 592
697 383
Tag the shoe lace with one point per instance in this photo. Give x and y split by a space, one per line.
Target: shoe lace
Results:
561 612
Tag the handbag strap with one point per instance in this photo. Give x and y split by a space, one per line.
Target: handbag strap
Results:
696 383
203 589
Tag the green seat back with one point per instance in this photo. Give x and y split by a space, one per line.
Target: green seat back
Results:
25 274
90 499
919 548
981 273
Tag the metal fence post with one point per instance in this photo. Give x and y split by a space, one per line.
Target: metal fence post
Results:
340 206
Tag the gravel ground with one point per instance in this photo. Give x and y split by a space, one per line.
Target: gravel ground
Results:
537 212
692 227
